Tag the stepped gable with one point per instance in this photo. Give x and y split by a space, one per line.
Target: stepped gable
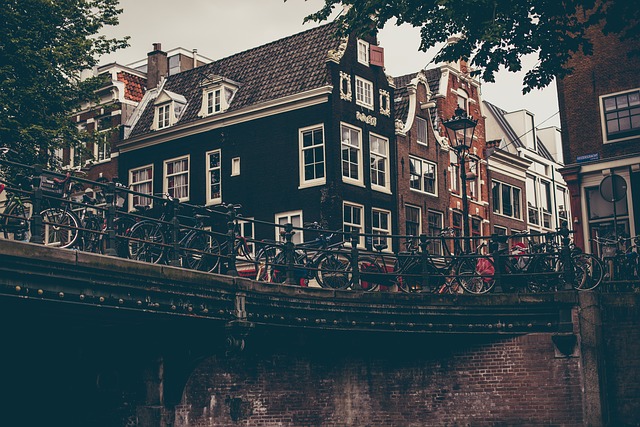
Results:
278 69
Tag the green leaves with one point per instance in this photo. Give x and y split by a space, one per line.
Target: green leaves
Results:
498 33
44 47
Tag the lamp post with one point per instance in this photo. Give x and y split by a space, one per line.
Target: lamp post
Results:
460 130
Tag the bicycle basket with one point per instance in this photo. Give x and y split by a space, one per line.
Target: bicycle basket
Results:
49 187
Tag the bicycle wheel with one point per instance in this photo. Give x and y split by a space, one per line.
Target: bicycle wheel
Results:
123 226
410 280
146 242
333 271
476 275
588 271
60 228
545 276
371 274
264 263
91 236
202 252
16 224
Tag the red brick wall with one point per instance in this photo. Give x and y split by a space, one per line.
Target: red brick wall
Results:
355 381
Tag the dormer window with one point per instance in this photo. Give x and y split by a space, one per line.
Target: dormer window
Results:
169 108
163 116
217 94
363 52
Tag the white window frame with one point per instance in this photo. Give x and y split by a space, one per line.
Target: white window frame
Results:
435 245
379 230
603 117
162 117
298 235
250 244
349 145
421 180
235 166
133 185
209 199
166 176
501 210
213 101
353 224
386 188
364 93
422 124
315 181
217 97
363 52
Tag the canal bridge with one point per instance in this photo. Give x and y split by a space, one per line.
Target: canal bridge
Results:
97 340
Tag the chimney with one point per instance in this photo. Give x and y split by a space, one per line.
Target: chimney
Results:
195 58
157 66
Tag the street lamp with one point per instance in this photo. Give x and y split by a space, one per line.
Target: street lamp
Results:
460 130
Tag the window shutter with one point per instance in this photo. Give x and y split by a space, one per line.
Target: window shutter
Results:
376 55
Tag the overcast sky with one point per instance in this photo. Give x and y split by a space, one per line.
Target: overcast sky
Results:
219 28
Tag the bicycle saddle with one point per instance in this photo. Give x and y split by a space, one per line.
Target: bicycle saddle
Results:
380 247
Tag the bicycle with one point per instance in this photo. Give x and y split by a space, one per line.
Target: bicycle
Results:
408 272
620 259
317 259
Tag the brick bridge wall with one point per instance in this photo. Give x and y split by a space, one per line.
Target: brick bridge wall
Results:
621 358
381 380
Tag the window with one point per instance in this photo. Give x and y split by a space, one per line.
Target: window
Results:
214 101
454 173
163 116
364 93
621 115
500 231
545 199
217 94
214 186
176 178
379 163
235 166
141 181
476 227
472 179
421 129
435 222
463 100
533 215
506 199
352 219
246 230
413 220
456 222
312 164
381 226
363 52
351 154
102 150
295 219
422 176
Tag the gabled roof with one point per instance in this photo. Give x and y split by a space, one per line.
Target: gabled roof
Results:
512 137
401 97
278 69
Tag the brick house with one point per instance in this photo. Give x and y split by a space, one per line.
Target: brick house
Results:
600 113
429 182
297 130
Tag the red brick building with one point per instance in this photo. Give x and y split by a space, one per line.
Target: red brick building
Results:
600 114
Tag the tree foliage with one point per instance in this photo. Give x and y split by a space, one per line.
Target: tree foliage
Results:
498 33
44 46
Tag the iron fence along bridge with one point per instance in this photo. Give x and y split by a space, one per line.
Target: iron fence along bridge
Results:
68 211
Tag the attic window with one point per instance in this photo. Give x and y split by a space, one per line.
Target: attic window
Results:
169 107
217 95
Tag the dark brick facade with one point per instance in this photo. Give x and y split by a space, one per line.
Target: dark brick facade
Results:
410 381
